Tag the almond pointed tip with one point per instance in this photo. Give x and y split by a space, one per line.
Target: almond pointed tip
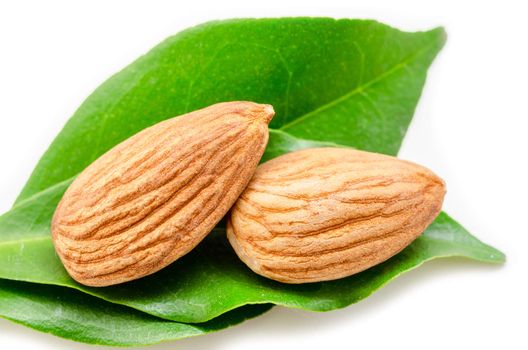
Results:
262 112
258 112
268 112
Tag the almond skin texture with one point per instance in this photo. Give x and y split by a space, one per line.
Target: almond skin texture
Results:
154 197
325 213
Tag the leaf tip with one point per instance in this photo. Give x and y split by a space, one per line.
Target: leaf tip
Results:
441 35
496 256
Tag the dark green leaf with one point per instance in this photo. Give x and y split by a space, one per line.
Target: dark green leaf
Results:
73 315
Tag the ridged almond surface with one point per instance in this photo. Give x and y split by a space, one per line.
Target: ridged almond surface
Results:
155 196
326 213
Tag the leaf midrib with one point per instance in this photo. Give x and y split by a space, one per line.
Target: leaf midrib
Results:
359 89
43 192
24 241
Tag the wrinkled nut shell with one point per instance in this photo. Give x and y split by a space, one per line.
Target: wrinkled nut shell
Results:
154 197
326 213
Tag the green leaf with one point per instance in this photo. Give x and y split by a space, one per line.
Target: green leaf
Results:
351 82
73 315
345 83
182 291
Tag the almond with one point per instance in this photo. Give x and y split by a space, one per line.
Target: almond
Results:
326 213
154 197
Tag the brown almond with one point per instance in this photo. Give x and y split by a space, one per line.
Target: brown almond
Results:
326 213
154 197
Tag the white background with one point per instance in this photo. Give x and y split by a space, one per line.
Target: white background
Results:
470 127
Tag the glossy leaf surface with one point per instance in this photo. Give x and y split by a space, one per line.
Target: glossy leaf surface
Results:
76 316
345 83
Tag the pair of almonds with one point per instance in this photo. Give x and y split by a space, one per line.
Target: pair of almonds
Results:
311 215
